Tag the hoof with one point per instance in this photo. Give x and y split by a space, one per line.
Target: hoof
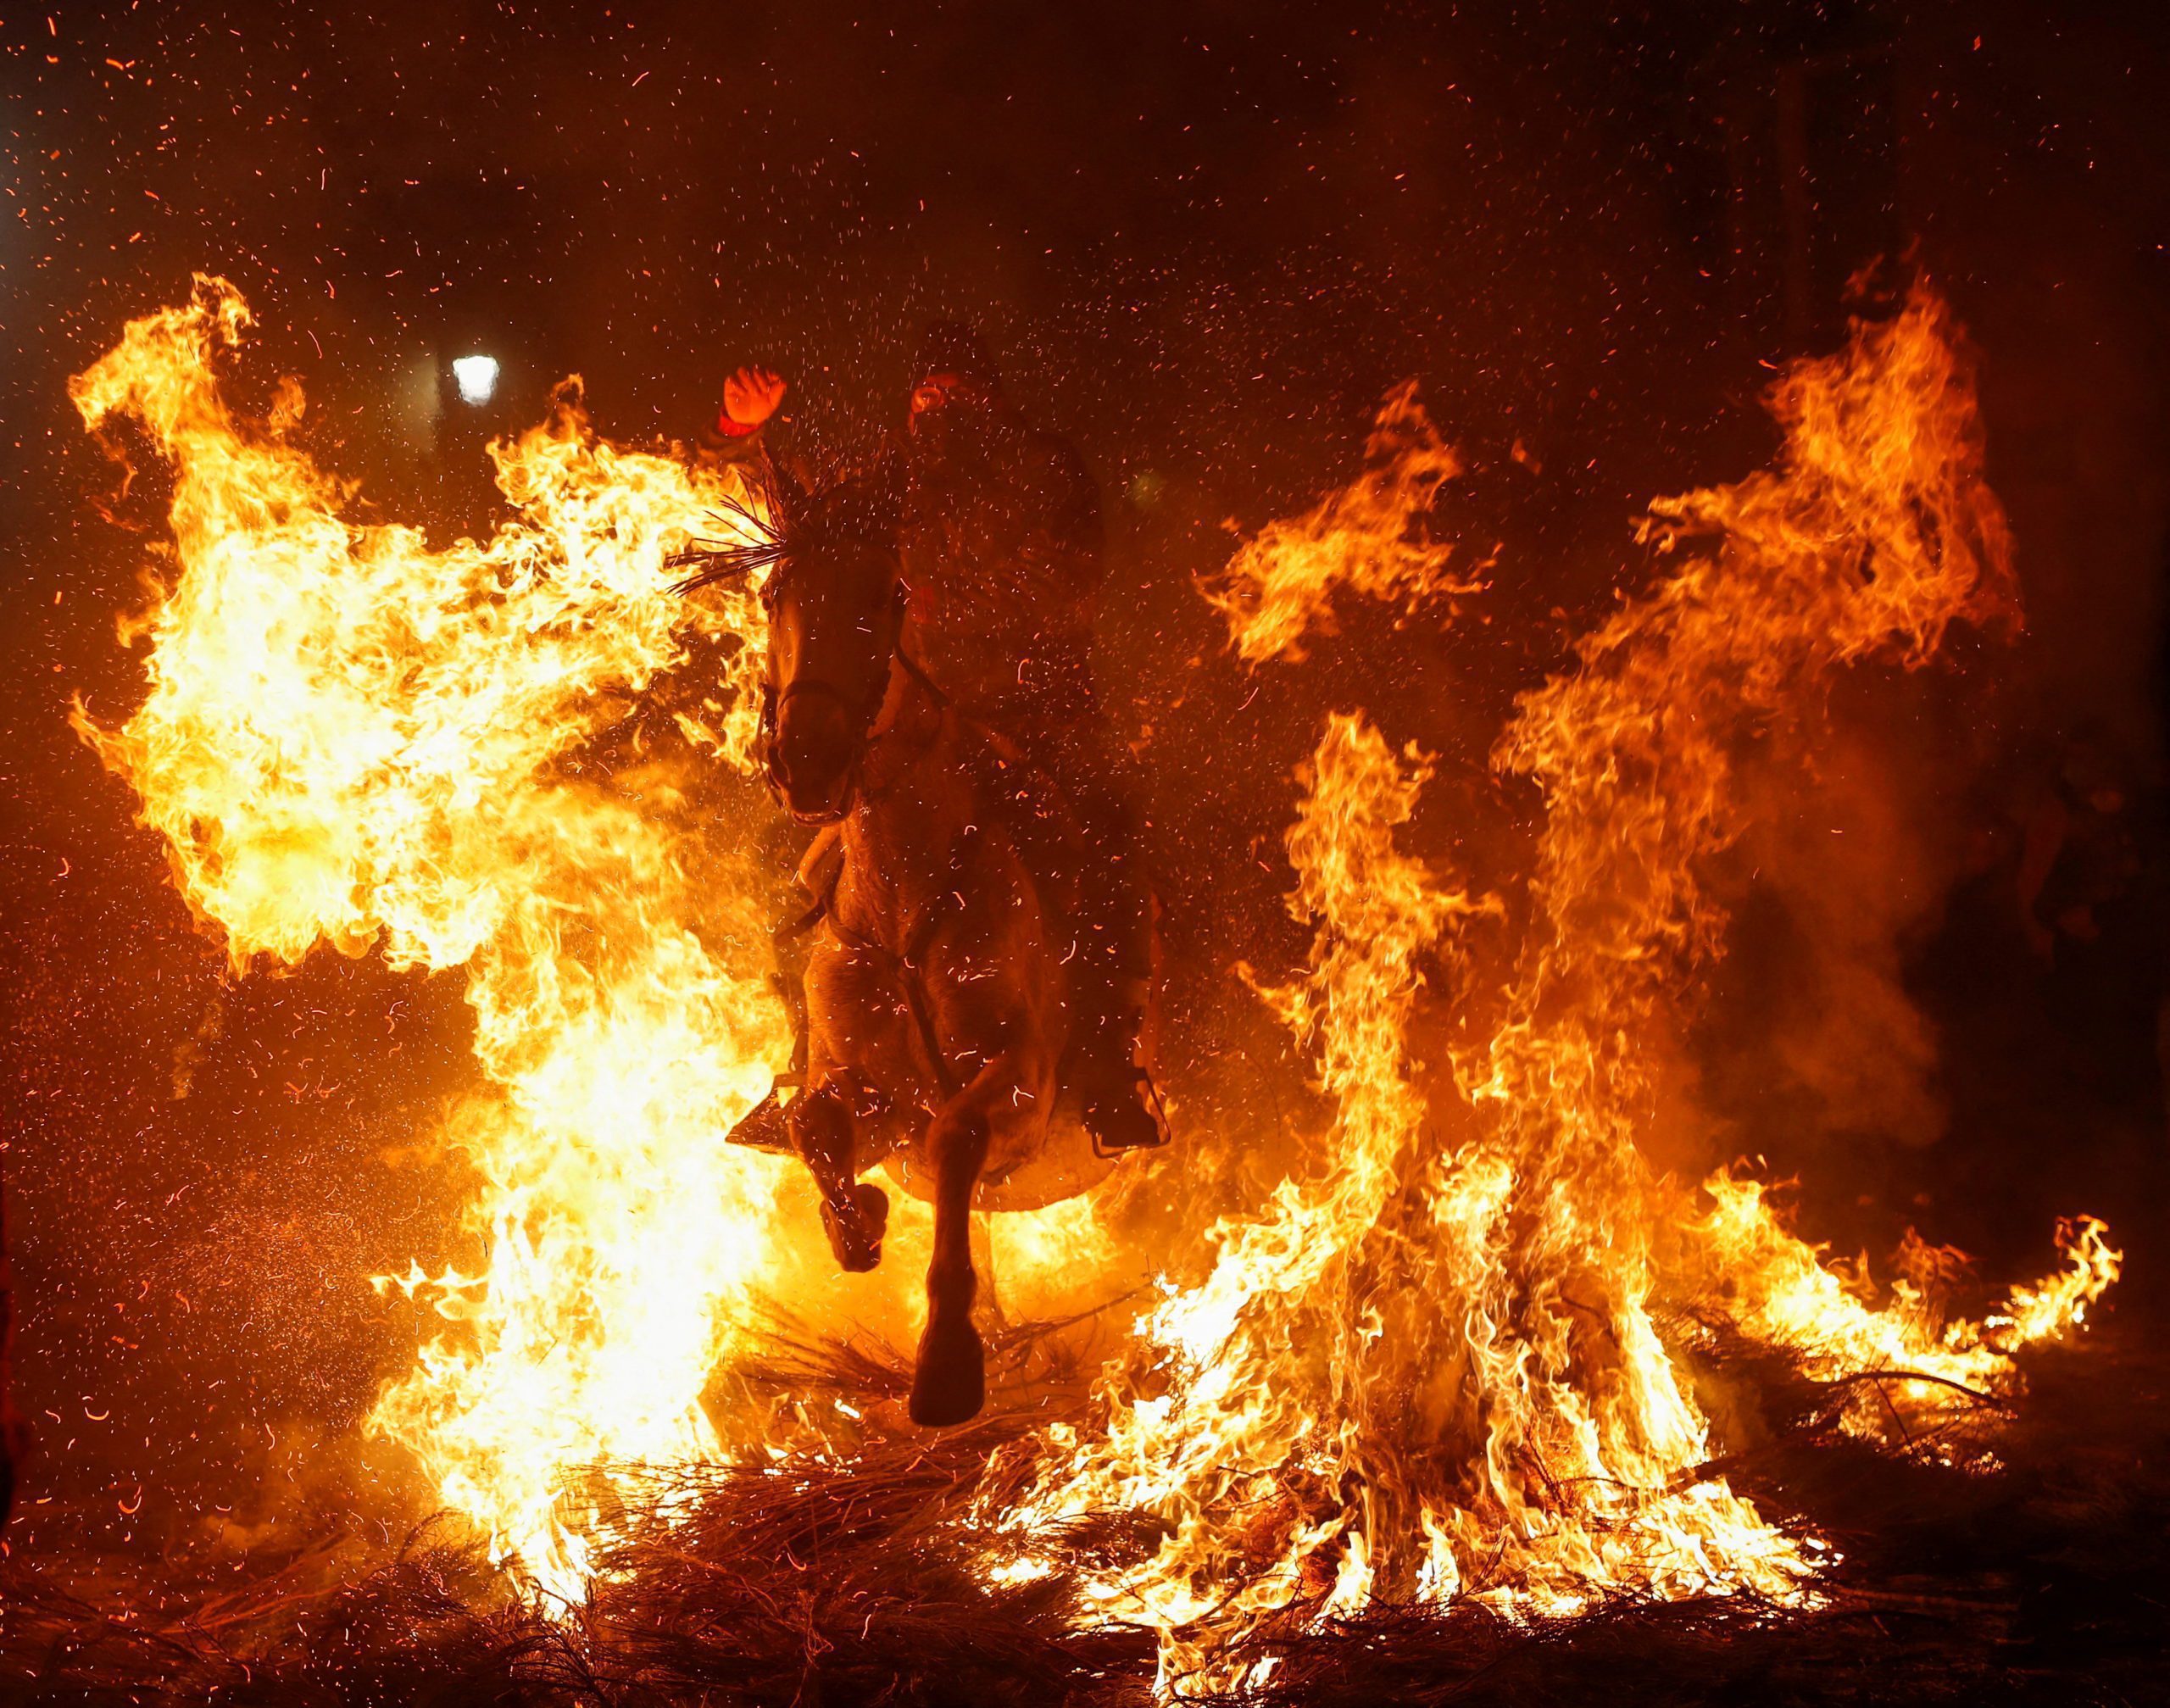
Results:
856 1236
949 1380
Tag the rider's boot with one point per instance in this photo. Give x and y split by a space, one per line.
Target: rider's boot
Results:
1118 1112
1120 1107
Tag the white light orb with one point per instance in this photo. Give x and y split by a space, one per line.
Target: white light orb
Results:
476 377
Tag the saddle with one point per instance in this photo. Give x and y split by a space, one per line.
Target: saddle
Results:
819 870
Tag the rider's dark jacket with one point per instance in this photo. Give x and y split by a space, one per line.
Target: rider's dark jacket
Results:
999 533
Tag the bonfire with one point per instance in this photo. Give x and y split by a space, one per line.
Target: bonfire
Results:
1451 1374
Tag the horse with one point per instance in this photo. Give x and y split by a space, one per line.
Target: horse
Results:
938 1007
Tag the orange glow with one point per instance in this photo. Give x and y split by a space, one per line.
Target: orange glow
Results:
351 738
1429 1370
1435 1363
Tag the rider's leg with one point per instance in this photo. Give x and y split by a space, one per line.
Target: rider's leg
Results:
1112 976
824 1131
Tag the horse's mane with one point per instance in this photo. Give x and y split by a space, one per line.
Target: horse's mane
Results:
734 559
850 515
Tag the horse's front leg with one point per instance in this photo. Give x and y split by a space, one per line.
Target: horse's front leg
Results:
949 1378
825 1132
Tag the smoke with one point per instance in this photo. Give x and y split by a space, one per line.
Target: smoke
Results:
1849 867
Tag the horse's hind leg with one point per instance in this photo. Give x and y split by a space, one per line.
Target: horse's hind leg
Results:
949 1378
824 1131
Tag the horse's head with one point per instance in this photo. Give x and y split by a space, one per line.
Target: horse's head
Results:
835 605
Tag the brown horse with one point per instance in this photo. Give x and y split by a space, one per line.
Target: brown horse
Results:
938 1007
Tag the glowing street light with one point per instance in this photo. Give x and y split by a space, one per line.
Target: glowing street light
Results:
476 377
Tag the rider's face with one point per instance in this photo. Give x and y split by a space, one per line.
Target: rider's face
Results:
933 397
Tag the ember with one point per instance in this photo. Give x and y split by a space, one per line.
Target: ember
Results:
972 1087
1417 1371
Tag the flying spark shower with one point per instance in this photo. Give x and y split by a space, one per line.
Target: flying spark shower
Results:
1432 1369
1438 1361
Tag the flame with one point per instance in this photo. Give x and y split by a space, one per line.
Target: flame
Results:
1237 1404
1873 535
1430 1370
1790 1300
353 738
1280 585
1345 1407
1439 1362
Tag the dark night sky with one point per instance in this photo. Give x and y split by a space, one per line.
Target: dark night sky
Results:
1204 239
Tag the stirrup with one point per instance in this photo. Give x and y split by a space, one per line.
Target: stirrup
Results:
1149 1106
762 1128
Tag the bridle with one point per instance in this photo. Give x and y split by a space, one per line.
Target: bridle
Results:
860 710
776 550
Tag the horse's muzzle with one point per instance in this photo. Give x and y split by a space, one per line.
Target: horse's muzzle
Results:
816 819
804 805
816 741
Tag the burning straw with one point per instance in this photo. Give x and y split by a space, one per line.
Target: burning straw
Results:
1419 1377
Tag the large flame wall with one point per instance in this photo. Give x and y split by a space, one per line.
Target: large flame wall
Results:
353 739
1419 1367
1432 1369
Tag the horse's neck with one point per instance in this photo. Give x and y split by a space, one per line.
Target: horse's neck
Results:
898 838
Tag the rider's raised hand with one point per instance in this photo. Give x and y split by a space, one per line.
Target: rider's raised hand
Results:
751 395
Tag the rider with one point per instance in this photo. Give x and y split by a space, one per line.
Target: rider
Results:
1000 538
